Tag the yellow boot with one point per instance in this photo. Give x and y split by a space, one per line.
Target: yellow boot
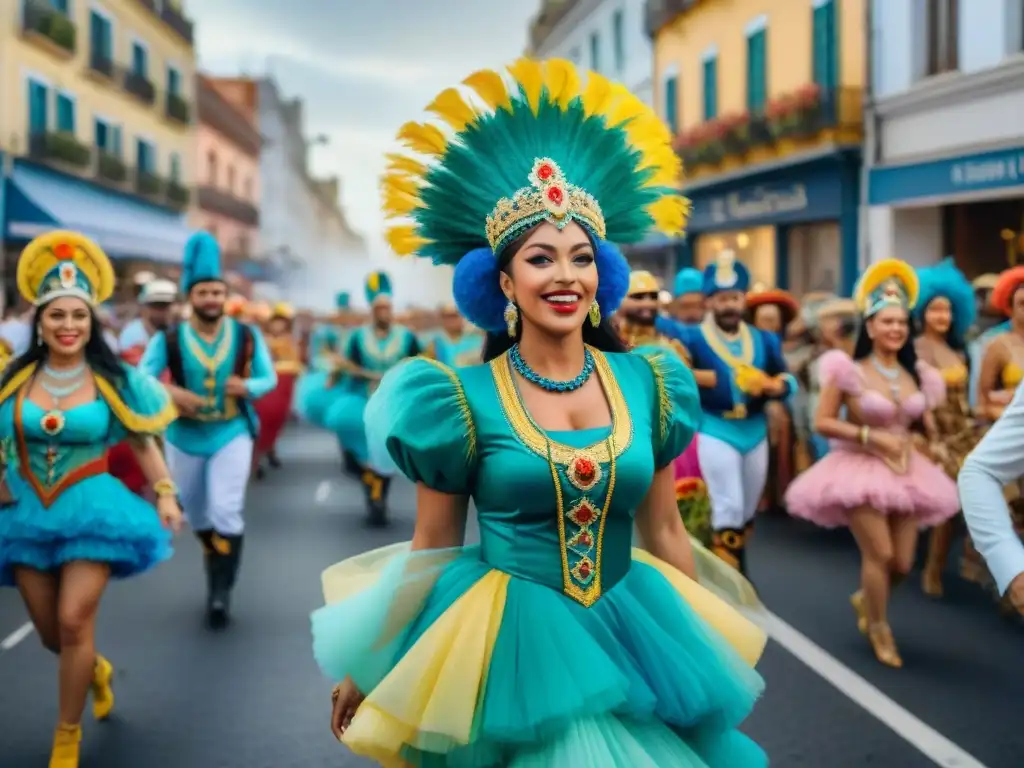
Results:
66 741
102 688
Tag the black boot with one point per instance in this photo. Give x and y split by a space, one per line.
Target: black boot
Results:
218 607
730 545
350 464
275 463
376 490
204 538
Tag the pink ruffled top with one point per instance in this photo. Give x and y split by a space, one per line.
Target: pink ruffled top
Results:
875 409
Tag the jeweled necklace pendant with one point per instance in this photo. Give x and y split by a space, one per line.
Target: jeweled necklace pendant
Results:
550 384
52 422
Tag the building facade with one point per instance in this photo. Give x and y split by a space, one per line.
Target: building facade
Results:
304 234
765 99
946 153
228 146
96 118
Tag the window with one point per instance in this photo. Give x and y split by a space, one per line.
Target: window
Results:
711 87
942 28
231 179
38 117
175 170
757 76
672 103
101 38
145 156
825 51
211 168
60 5
108 137
173 81
65 113
595 52
619 40
140 60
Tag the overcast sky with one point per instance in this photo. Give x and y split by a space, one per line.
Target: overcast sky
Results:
363 68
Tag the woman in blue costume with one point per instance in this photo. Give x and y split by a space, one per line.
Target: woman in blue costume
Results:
313 392
553 642
68 526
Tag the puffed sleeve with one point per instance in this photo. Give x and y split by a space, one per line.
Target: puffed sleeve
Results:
837 369
676 405
420 417
140 404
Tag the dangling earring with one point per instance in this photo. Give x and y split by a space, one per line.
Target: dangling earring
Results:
511 318
595 314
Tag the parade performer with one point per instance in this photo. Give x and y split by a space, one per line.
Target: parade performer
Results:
453 344
944 314
218 367
372 350
688 303
744 370
155 302
639 311
990 323
551 641
874 480
773 311
66 525
274 408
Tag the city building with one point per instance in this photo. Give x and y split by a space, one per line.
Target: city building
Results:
96 121
228 146
304 236
946 149
765 98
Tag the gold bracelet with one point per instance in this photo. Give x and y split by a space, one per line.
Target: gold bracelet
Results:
336 692
165 487
863 435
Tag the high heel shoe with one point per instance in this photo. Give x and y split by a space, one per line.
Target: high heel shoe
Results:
102 688
884 645
66 742
857 601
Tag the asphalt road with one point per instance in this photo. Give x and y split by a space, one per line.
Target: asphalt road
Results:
252 697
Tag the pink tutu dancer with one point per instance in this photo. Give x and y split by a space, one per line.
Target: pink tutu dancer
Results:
692 494
851 476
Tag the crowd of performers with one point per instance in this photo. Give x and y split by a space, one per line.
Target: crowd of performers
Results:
586 413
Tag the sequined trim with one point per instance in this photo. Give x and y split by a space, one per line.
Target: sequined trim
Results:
530 435
657 363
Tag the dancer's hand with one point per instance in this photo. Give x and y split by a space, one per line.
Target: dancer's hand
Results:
187 401
169 512
235 386
345 699
893 446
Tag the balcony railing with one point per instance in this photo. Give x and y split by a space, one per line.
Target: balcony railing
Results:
101 64
177 109
60 148
172 18
658 13
218 114
51 27
220 202
140 87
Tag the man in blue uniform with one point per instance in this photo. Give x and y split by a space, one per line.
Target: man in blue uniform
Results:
218 367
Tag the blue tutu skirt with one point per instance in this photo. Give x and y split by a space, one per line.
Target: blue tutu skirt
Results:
464 665
313 398
345 418
97 519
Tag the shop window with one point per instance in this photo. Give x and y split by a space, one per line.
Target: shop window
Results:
942 27
672 103
711 87
65 113
757 69
825 45
815 258
755 247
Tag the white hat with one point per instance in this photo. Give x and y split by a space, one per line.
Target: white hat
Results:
143 277
158 292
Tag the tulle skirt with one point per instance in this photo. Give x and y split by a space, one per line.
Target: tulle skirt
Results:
313 397
846 479
465 665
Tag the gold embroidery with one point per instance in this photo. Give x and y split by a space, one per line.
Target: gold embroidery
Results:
463 403
134 422
382 353
211 363
714 341
657 363
530 435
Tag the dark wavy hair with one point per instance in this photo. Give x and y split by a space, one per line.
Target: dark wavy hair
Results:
906 357
98 355
602 337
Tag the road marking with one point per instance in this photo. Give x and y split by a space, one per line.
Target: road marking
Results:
911 729
16 637
323 491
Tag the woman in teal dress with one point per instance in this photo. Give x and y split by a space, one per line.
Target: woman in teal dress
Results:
553 642
67 526
317 389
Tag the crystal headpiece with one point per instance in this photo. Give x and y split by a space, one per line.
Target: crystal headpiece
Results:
548 198
891 293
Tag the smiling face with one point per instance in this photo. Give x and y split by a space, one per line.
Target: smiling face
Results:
938 315
640 308
552 278
888 329
65 326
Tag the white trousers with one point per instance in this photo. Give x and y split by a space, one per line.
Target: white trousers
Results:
212 488
735 481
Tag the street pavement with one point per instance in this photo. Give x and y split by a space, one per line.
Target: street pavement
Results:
252 697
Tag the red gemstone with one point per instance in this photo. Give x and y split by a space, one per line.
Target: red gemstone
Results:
584 569
545 172
64 251
51 423
555 195
585 540
584 515
584 469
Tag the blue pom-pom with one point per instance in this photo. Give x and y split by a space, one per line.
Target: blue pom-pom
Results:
477 290
613 277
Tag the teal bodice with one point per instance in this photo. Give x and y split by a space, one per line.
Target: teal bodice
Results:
379 354
459 353
553 508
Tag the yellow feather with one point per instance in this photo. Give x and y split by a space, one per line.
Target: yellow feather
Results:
530 77
670 214
562 81
403 239
452 108
401 183
406 164
423 138
596 94
398 205
488 85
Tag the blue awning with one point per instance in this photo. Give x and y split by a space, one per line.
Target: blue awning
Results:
39 200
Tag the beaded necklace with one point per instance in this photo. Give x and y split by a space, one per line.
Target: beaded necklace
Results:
544 382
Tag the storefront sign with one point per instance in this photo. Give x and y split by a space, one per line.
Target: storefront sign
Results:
812 196
953 176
